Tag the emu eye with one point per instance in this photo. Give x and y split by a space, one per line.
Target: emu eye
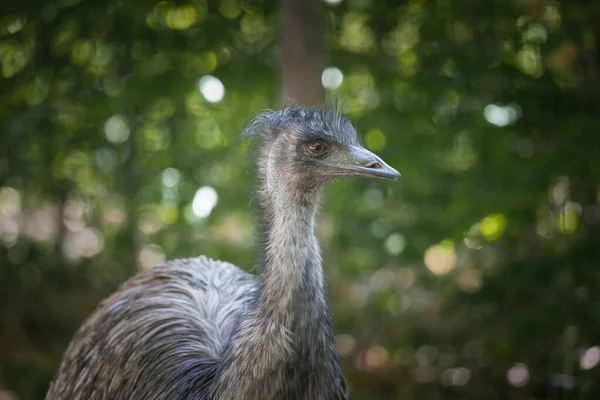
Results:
317 148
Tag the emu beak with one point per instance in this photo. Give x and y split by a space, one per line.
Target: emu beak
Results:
361 161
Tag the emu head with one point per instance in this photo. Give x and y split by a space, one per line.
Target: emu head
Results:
304 148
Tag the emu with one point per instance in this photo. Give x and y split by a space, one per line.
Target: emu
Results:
198 328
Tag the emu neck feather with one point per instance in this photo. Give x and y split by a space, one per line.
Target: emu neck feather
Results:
281 346
292 259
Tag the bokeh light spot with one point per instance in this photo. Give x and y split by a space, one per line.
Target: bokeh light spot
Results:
151 255
469 280
376 356
382 279
395 244
10 201
518 375
171 177
83 243
182 17
426 355
345 344
380 227
500 115
440 259
493 226
535 33
105 159
10 216
116 129
204 201
568 218
529 60
254 28
12 24
230 9
375 140
355 33
211 88
332 78
455 376
590 358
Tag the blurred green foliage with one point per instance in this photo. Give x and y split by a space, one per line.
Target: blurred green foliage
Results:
476 276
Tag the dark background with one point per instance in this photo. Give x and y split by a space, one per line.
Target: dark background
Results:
476 276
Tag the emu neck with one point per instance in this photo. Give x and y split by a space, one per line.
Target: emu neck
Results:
291 259
283 345
292 274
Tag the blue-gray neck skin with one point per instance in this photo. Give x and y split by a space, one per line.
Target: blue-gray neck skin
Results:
283 346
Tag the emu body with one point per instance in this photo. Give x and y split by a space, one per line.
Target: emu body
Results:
203 329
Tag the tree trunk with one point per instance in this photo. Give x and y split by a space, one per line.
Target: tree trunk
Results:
302 50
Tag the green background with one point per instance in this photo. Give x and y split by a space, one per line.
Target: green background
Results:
476 276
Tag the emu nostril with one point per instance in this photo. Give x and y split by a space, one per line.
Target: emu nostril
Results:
374 165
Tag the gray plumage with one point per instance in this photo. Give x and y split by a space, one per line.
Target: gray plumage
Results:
203 329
